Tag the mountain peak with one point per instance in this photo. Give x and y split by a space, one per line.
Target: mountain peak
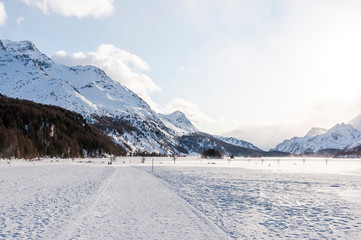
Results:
356 122
179 122
14 47
84 89
177 112
178 115
26 51
315 131
341 126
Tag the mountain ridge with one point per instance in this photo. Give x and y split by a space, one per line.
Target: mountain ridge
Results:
29 74
339 137
26 73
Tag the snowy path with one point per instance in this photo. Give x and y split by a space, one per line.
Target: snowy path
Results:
94 202
187 200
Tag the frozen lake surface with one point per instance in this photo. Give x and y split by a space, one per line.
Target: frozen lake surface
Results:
271 203
189 199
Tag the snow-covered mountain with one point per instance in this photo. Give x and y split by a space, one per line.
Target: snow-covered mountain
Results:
178 122
356 122
198 142
26 73
293 145
315 131
237 142
340 137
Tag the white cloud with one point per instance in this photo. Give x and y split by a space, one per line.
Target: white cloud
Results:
190 109
19 20
3 15
77 8
60 54
182 69
120 65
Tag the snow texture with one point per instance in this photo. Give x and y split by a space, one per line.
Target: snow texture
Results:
94 202
267 198
271 202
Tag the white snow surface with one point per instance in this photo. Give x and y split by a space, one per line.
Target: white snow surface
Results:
94 202
340 137
191 198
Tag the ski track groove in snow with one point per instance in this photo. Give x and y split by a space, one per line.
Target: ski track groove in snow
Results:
38 201
149 210
214 228
94 202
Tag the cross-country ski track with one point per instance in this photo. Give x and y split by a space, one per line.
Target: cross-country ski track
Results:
183 198
95 202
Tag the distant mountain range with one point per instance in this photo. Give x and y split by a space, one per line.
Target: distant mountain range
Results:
319 141
26 73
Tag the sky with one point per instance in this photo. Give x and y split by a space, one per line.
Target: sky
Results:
258 70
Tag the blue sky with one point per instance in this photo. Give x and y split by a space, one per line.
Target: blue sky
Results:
258 70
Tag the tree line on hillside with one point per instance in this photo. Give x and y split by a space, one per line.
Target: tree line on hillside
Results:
211 153
30 130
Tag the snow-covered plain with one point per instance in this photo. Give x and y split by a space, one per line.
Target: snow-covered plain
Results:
192 198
